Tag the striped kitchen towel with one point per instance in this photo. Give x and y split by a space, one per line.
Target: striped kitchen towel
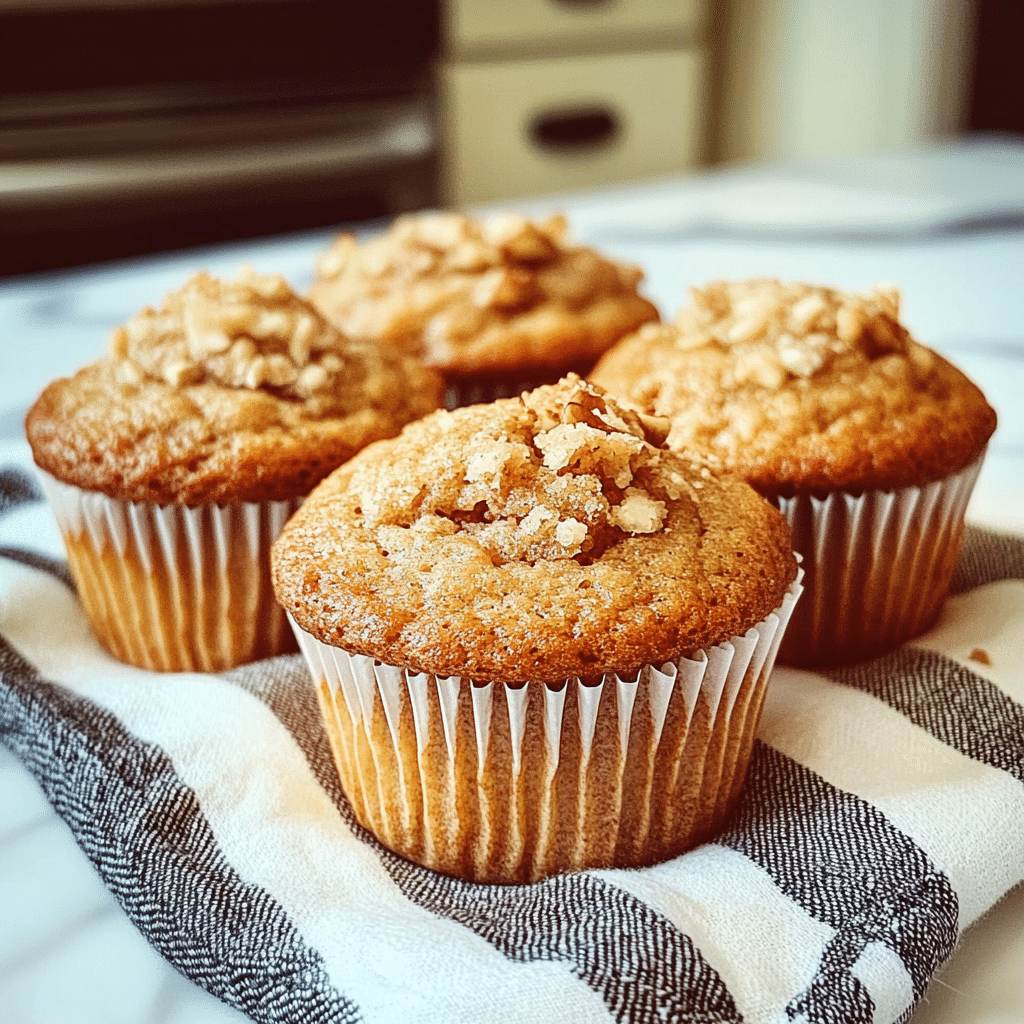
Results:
883 814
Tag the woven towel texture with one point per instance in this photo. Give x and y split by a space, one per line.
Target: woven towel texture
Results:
883 814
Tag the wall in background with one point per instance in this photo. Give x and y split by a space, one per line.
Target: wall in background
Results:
812 78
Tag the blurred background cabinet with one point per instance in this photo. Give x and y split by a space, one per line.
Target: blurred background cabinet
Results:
134 126
551 95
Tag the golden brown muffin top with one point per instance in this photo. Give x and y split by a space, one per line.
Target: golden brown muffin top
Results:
230 391
798 387
541 537
481 296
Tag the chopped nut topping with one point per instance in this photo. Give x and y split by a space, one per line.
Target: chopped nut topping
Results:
253 333
796 387
534 519
562 472
586 406
781 330
656 428
570 533
436 281
638 513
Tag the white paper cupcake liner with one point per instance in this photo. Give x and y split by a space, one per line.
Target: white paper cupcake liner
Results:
171 588
500 783
878 567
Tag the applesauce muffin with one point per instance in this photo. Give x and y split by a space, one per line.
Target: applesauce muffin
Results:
867 440
498 305
173 462
540 640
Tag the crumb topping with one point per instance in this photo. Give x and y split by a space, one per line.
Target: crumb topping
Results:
802 386
253 334
229 391
776 331
564 475
438 283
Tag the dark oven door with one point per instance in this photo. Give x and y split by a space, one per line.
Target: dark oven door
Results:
138 126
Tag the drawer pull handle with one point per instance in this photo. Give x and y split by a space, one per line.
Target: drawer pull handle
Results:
583 4
580 129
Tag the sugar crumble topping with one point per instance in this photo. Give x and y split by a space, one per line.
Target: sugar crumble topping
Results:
564 472
436 281
776 331
795 386
254 333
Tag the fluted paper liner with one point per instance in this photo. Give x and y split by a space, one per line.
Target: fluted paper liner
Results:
172 588
500 783
878 566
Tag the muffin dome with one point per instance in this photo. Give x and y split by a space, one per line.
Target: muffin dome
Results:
496 295
799 387
535 538
230 391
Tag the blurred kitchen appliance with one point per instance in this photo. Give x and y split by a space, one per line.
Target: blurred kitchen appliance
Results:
141 125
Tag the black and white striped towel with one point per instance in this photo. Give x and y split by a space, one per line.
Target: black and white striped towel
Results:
884 813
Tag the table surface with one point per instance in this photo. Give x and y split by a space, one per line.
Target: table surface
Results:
945 225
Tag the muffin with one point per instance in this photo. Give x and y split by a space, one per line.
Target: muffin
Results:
173 462
497 305
869 442
540 640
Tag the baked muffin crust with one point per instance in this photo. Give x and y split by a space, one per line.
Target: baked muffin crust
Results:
803 388
230 391
481 296
536 538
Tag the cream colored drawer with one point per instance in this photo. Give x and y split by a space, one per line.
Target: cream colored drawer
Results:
528 127
481 25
